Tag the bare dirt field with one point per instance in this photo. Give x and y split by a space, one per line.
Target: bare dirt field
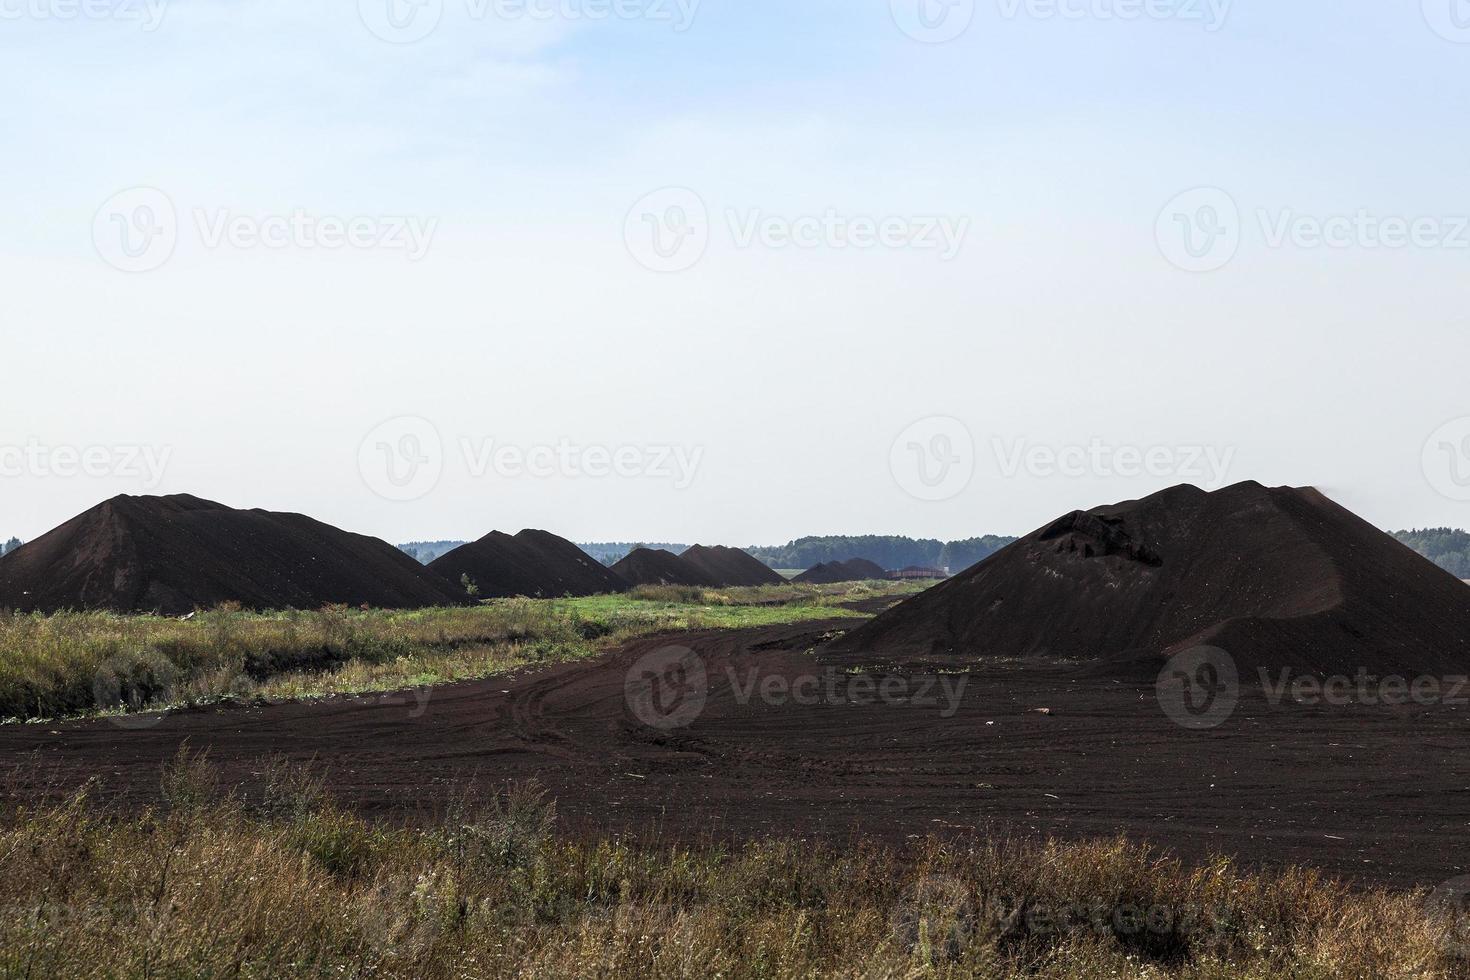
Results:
1375 793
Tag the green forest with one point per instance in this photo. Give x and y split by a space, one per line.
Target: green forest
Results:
1449 548
890 551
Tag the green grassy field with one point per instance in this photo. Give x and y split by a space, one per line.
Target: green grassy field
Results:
84 663
287 884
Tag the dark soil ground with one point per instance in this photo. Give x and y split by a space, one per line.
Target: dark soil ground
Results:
536 564
1276 578
1374 793
174 554
730 567
832 572
654 566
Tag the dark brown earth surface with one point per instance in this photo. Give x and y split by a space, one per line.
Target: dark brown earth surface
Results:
536 564
179 553
730 566
832 572
1379 794
1279 577
655 566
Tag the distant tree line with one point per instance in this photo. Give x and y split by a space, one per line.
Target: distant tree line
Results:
9 546
1448 548
427 551
890 551
612 552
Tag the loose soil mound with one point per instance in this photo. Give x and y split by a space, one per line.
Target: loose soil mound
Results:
731 566
532 563
172 555
646 566
832 572
1276 578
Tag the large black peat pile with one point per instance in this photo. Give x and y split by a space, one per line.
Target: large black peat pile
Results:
536 564
1278 578
729 567
834 572
175 554
649 566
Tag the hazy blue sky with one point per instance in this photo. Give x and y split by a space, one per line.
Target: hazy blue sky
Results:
992 261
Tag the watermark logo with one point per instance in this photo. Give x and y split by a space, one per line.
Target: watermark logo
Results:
301 229
671 229
1199 688
1363 229
837 688
1199 230
148 14
935 919
1452 901
668 688
942 234
933 459
677 464
145 464
1446 459
136 230
1203 230
402 459
1210 14
1450 19
401 21
1341 690
933 21
410 21
668 230
130 682
1208 464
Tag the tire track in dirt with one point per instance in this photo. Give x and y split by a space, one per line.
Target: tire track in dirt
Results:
1371 793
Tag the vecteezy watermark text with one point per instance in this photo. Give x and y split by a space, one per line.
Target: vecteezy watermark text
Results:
304 230
1209 14
940 915
941 21
1209 464
138 230
1202 230
669 688
934 459
147 14
1340 690
146 464
404 459
1200 688
670 230
409 21
677 464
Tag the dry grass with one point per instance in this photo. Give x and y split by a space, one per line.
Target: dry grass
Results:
81 663
289 885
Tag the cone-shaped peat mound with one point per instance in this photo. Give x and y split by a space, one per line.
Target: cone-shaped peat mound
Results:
536 564
1277 578
834 572
175 554
649 566
729 567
